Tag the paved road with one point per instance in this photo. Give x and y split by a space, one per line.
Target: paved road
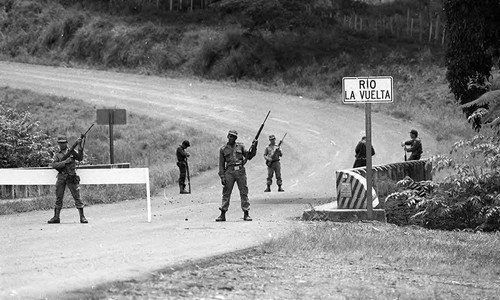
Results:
38 260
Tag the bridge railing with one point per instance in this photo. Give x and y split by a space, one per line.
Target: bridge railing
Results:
351 183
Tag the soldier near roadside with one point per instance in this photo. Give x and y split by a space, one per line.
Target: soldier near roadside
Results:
232 158
360 153
182 156
413 145
272 155
64 162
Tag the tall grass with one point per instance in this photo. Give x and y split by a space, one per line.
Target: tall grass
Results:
433 251
142 142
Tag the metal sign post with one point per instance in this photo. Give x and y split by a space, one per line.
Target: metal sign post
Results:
367 90
111 117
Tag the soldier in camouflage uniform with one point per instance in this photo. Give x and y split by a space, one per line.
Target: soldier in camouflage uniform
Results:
232 158
67 177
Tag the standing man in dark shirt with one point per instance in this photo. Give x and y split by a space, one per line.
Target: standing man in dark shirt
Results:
182 156
67 177
360 153
414 145
232 158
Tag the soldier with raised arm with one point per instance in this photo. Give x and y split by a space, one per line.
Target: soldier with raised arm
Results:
232 158
64 162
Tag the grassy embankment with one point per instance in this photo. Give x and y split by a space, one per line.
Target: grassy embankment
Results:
209 45
142 142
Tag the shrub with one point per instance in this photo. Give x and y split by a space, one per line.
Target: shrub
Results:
469 199
21 144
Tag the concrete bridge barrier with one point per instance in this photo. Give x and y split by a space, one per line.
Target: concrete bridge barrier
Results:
351 189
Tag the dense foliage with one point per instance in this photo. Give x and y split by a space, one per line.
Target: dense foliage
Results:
473 30
22 144
468 199
281 14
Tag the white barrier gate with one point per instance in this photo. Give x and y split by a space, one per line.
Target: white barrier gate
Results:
87 176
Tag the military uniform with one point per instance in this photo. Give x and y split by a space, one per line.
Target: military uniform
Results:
232 170
272 154
182 156
67 177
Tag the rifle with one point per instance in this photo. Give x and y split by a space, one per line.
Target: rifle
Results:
254 142
82 136
188 176
273 156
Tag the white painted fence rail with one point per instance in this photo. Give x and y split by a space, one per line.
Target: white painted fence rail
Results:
87 176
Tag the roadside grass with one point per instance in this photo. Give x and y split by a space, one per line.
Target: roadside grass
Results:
142 142
329 260
439 252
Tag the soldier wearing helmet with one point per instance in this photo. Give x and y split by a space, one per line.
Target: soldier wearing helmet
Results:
414 145
182 156
67 177
232 157
272 156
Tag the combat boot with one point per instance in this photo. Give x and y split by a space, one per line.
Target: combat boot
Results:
222 216
280 189
182 188
55 219
268 189
246 216
82 216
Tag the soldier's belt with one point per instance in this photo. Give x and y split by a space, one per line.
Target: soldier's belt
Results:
236 168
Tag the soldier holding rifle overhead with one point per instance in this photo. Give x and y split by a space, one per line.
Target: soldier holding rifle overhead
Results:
232 159
64 162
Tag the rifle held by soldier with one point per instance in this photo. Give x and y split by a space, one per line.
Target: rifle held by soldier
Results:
253 148
82 137
275 154
188 176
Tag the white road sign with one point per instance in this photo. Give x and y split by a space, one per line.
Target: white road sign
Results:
377 89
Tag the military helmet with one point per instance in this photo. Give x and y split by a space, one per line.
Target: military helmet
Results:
272 137
186 144
233 132
62 139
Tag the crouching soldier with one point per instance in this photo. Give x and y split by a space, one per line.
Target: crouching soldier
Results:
64 162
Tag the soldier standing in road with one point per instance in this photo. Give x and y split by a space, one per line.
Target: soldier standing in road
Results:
360 153
272 155
414 145
182 156
232 158
67 177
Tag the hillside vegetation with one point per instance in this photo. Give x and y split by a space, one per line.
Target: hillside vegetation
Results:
301 51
